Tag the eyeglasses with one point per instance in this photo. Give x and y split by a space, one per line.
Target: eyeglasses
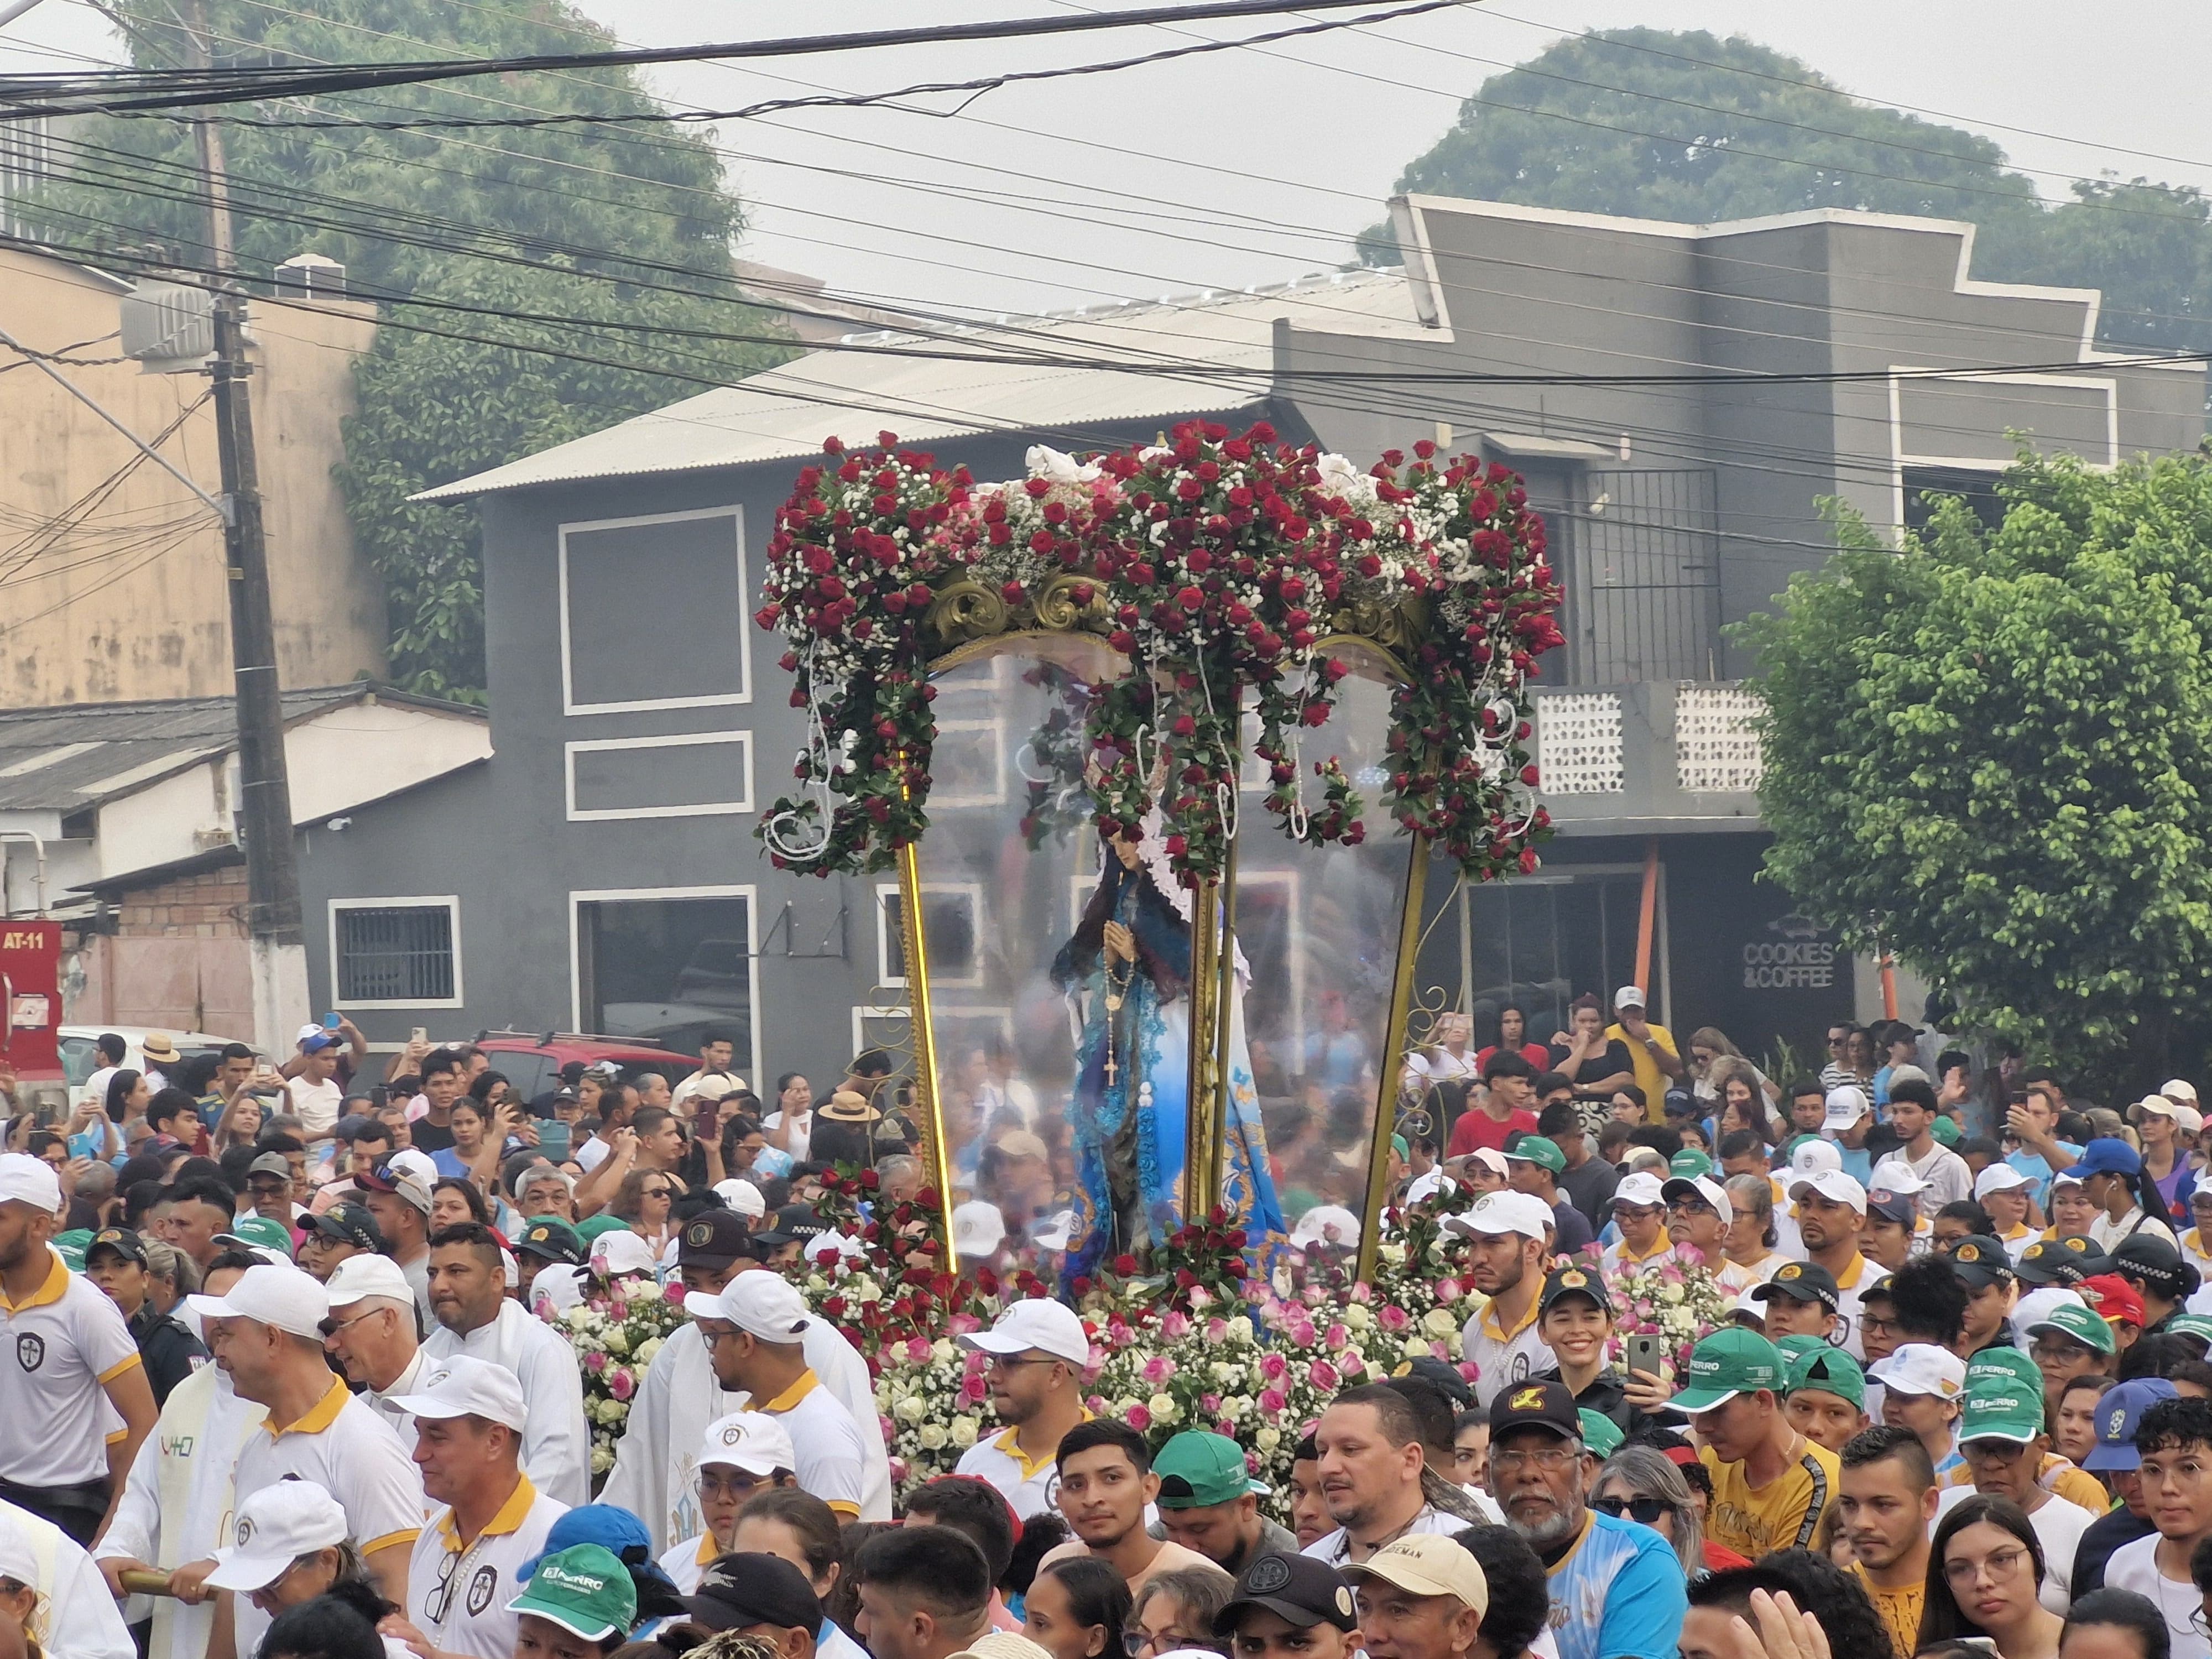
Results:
1837 1039
442 1598
1999 1564
1645 1510
1007 1362
729 1486
1137 1643
1550 1459
333 1326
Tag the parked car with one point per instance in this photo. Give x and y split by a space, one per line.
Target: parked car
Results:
531 1060
80 1047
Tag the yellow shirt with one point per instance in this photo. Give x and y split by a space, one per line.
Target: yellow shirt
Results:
1649 1078
1783 1514
1899 1608
2057 1476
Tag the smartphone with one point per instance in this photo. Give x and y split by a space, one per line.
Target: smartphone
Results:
553 1138
419 1034
330 1022
1646 1353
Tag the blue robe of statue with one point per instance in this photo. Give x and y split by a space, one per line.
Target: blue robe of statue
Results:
1129 1131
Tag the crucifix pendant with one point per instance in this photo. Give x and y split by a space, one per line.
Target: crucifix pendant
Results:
1110 1068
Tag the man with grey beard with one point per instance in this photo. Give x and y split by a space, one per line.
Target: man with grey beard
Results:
1617 1587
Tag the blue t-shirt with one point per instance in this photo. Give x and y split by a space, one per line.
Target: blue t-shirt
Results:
448 1162
1858 1163
1617 1594
2037 1168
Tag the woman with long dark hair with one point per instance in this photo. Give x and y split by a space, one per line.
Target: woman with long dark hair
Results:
2115 1623
1077 1609
1985 1572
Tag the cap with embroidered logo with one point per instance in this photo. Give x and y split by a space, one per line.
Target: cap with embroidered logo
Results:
742 1591
1640 1189
349 1224
1801 1281
1731 1361
1922 1368
1427 1564
276 1525
552 1239
1036 1323
1999 1408
2066 1261
751 1441
121 1240
2004 1365
1846 1104
1689 1165
2001 1178
585 1590
259 1233
1300 1591
463 1386
2119 1413
1574 1281
1981 1262
715 1238
1833 1185
359 1277
2072 1320
1495 1214
1549 1406
2107 1155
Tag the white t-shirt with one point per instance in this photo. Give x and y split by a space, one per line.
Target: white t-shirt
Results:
95 1086
2060 1523
2108 1232
826 1442
59 1351
1503 1357
2135 1567
802 1133
1949 1181
461 1604
1335 1547
76 1617
316 1105
687 1562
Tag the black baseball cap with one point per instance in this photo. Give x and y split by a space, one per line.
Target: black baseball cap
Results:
2158 1264
1902 1208
351 1224
1801 1281
1298 1589
2066 1261
1534 1406
738 1590
1573 1281
1981 1262
795 1222
553 1239
715 1238
121 1240
1441 1373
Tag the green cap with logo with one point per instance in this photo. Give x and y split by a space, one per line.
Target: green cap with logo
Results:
1796 1344
1997 1407
591 1228
1600 1434
1824 1369
2072 1319
2188 1324
259 1232
1945 1129
70 1247
1731 1361
1540 1150
2003 1364
1198 1470
1688 1165
585 1590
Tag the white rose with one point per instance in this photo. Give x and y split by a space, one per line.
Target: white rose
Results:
1054 467
1439 1322
943 1351
1356 1318
1416 1348
617 1341
1269 1437
932 1437
648 1350
610 1412
1164 1409
912 1409
1240 1329
964 1430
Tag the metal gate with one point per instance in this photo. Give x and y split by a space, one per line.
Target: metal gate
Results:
1642 571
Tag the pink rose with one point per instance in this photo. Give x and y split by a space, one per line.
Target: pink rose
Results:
622 1385
1271 1367
1158 1368
1354 1364
1393 1318
1338 1338
1448 1291
1273 1401
918 1351
1323 1375
595 1362
1176 1326
1360 1293
1140 1419
1217 1331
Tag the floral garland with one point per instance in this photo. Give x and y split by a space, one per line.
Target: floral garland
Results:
615 1330
1674 1300
1217 564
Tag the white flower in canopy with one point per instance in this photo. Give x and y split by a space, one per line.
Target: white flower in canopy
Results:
1340 478
1056 467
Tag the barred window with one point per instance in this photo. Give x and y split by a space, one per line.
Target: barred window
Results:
400 953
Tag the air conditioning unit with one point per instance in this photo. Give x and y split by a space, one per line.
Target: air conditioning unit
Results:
168 327
315 274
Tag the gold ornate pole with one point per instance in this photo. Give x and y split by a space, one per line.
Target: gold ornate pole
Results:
1213 960
1224 1010
937 1157
1386 1090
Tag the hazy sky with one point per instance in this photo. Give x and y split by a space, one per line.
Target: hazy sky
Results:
1251 166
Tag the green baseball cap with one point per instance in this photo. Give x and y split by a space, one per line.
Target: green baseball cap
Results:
1825 1369
1731 1361
585 1590
591 1227
259 1232
1540 1150
1999 1408
2003 1363
1688 1165
1198 1470
1945 1130
2072 1319
2196 1325
70 1247
1797 1346
1600 1434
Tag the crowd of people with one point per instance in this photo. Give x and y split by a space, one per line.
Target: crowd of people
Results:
283 1377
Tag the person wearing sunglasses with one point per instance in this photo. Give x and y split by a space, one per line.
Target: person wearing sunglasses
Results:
1641 1483
1618 1590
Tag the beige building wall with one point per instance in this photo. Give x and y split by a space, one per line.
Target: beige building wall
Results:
112 594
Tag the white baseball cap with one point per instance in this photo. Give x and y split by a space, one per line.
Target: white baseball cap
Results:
1497 1213
1893 1175
1816 1155
1326 1224
283 1298
2000 1178
1036 1323
1703 1187
1831 1184
1922 1368
978 1229
1054 1232
618 1251
743 1197
465 1386
1847 1104
1628 996
358 1277
762 1304
2155 1106
1491 1159
751 1441
2179 1089
19 1557
276 1525
1429 1185
2190 1119
32 1180
1641 1189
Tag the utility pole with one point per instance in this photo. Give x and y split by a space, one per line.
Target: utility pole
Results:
278 949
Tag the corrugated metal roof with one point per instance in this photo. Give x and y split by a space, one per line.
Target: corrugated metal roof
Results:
60 759
784 413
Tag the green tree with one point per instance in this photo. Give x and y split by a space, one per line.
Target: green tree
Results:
1995 750
623 234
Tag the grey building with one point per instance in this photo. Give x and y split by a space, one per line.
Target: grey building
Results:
600 871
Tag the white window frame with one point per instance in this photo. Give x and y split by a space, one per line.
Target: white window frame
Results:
996 726
1900 458
676 740
887 980
746 891
450 903
744 640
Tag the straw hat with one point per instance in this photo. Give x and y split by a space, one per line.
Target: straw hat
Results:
846 1107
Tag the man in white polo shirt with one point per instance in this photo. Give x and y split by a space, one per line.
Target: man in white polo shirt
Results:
66 1356
1506 1261
476 1317
266 1331
744 1453
755 1332
1039 1352
469 1421
371 1333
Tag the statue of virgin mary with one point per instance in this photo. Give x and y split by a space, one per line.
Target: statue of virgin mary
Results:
1126 974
